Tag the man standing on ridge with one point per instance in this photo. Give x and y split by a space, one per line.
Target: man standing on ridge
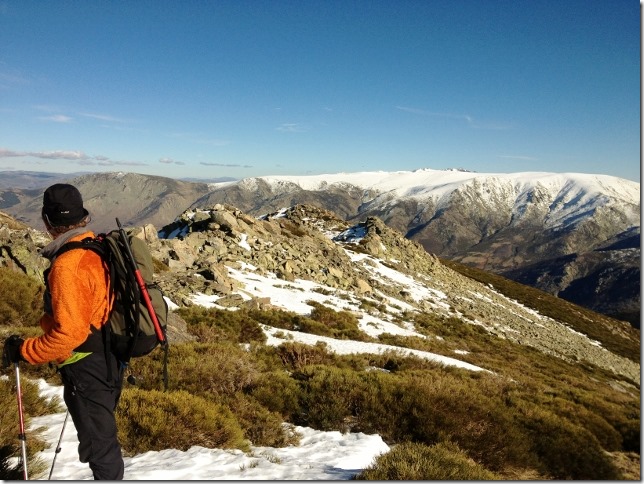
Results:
77 305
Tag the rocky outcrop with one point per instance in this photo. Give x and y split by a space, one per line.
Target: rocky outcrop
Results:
20 247
305 242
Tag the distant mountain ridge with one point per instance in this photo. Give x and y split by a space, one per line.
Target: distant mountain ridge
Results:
531 227
136 199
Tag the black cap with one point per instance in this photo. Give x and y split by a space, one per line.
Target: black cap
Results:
62 205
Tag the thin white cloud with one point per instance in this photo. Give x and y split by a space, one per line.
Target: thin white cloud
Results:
48 108
170 161
48 155
126 163
103 117
291 128
206 163
56 118
5 153
54 114
73 156
469 120
102 161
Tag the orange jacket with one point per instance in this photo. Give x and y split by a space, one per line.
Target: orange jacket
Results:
78 283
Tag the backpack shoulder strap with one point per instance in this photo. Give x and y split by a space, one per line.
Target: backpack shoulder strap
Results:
87 243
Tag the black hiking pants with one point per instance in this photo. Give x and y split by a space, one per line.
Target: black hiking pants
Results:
91 400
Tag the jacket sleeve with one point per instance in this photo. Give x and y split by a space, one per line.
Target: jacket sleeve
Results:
79 301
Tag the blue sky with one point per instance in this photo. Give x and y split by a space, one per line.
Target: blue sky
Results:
237 88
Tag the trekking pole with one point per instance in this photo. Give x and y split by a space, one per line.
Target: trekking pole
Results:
58 449
141 283
22 436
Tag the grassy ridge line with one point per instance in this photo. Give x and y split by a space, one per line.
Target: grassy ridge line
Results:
616 336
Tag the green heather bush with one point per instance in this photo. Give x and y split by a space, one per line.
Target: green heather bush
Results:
277 318
396 361
298 355
473 411
630 430
154 420
341 324
413 342
323 321
609 438
473 416
21 302
278 392
582 394
213 370
617 410
565 450
212 325
327 397
431 407
261 426
159 266
418 462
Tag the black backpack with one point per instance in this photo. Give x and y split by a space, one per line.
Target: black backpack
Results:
138 321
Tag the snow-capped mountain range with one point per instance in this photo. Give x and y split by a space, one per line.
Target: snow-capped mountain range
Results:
570 196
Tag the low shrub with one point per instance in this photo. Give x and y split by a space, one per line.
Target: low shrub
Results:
473 415
295 356
159 266
565 450
340 324
327 397
415 462
21 303
154 420
609 438
212 370
212 325
278 392
396 361
260 425
323 321
276 318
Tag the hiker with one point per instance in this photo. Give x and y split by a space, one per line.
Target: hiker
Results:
77 305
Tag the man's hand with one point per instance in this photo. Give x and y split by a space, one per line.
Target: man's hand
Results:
11 352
